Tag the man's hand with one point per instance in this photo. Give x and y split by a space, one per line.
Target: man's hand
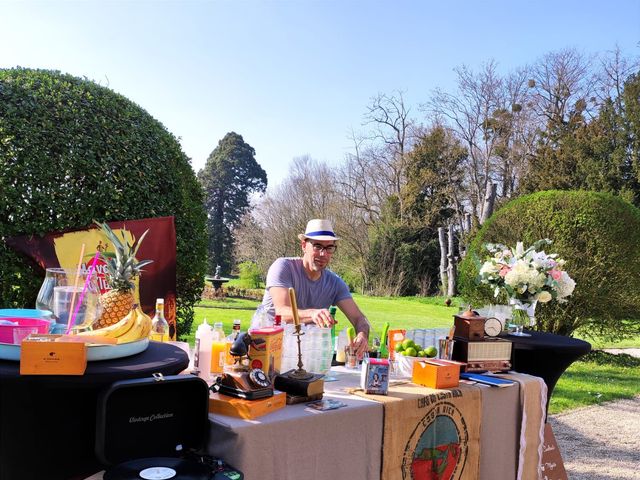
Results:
321 317
360 344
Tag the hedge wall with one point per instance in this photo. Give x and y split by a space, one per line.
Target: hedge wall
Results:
72 151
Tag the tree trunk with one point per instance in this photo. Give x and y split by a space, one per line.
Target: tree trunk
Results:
489 199
443 260
451 269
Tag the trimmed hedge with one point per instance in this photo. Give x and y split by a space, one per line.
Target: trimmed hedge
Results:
598 234
72 151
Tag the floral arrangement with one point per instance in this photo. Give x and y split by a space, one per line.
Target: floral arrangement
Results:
526 276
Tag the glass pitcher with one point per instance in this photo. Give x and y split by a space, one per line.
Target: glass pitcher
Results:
60 289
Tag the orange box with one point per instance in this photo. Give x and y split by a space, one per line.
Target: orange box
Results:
248 409
266 349
53 358
436 373
394 337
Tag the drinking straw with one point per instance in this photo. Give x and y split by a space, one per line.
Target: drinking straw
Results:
75 286
84 290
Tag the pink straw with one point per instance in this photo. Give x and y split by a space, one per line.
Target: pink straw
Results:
84 290
75 284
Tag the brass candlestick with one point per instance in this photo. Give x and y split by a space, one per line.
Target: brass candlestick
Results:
300 373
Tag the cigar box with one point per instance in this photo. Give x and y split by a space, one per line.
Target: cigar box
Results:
436 373
247 409
52 358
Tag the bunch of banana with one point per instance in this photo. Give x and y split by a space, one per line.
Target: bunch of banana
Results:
135 326
140 329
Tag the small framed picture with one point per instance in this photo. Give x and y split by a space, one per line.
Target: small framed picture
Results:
375 376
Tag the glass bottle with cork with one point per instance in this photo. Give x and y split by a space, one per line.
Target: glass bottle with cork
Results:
228 359
159 325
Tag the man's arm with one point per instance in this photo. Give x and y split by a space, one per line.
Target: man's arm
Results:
359 321
282 304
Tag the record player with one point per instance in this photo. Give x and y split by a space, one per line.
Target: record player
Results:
156 428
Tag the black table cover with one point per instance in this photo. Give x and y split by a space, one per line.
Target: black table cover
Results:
48 422
546 355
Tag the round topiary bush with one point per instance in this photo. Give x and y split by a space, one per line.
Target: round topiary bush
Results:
597 234
72 151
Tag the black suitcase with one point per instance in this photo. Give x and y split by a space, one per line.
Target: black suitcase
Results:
156 428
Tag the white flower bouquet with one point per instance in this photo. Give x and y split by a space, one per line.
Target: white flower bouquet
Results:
526 276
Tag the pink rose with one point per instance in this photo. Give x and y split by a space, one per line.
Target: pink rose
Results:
503 271
556 274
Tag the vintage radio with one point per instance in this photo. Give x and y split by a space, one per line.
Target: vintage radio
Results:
493 354
469 325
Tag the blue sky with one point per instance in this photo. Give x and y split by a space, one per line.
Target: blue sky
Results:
294 77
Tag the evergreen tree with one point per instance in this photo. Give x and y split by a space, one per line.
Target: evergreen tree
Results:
229 177
434 176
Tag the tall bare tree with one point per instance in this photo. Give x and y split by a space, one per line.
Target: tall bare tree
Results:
471 114
392 132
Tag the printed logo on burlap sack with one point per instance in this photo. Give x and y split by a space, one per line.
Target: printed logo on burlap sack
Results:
437 448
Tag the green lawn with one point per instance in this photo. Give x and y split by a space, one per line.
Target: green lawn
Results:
599 377
406 312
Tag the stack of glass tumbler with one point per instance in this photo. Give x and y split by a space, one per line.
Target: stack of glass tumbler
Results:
316 347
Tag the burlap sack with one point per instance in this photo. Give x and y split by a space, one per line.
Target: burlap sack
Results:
430 434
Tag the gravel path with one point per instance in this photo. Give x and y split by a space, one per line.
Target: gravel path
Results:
601 442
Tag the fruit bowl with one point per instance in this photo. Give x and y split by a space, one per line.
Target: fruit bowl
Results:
405 364
94 352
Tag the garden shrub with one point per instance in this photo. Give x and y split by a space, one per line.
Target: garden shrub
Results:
598 235
250 275
72 151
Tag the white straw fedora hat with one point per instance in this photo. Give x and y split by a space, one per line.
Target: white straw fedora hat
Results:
318 229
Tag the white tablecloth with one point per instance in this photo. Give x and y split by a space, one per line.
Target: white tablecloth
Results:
299 443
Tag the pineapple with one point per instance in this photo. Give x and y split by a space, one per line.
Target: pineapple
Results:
122 267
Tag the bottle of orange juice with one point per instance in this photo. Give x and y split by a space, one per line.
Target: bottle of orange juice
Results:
218 348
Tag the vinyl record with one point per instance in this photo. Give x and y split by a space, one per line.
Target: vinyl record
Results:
159 468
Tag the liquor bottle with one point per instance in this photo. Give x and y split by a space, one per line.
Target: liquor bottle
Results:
218 347
236 329
159 325
228 360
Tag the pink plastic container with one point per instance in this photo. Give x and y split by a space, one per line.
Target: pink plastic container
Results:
6 331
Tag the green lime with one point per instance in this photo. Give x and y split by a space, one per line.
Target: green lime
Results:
408 343
410 352
422 353
431 351
398 347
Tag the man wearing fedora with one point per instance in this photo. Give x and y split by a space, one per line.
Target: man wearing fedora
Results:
317 287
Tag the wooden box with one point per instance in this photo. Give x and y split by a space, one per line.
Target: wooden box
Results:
248 409
436 373
469 328
53 358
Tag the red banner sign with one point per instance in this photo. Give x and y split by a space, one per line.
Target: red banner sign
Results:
158 280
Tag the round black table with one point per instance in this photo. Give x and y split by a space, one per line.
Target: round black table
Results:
48 422
546 355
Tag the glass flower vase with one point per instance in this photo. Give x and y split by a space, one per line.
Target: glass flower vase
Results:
523 315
